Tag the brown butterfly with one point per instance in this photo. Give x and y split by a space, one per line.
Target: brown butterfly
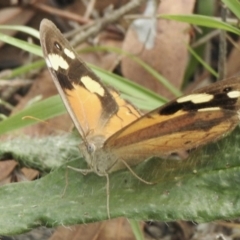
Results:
114 133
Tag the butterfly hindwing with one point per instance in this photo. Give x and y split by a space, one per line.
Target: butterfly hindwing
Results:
181 125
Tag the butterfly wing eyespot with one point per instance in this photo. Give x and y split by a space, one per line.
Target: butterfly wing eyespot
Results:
227 89
58 46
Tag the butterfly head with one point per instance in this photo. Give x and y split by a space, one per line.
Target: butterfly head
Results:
93 152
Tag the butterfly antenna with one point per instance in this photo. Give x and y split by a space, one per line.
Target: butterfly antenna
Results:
66 183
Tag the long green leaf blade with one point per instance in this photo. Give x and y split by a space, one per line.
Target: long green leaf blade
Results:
202 21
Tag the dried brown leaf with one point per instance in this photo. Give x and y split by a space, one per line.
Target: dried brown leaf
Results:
168 55
118 228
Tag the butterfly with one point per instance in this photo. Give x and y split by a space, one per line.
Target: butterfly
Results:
115 135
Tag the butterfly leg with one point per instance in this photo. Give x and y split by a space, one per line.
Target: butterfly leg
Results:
135 175
108 194
85 172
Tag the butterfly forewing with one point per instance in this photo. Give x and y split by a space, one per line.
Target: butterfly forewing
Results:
93 109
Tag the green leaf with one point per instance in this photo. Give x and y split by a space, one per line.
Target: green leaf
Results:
137 231
29 47
234 6
202 188
202 21
41 111
43 154
25 69
31 31
200 60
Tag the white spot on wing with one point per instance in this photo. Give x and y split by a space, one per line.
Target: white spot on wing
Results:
48 63
209 109
196 98
55 61
92 86
69 53
233 94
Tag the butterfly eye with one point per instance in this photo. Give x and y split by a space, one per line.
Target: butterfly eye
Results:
91 148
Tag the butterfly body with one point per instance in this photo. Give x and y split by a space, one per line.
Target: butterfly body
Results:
114 131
